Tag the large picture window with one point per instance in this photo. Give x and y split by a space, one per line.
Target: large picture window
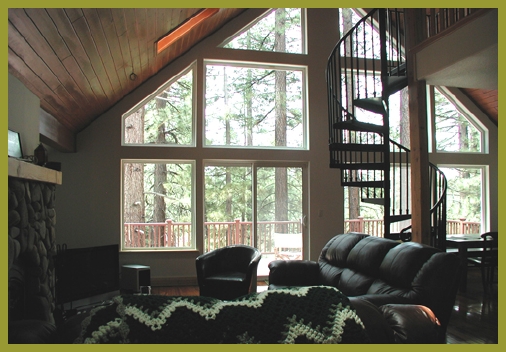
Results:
190 199
255 204
255 106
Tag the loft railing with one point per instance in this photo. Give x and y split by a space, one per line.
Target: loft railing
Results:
440 19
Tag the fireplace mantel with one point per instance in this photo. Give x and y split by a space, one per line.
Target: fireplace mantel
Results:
28 171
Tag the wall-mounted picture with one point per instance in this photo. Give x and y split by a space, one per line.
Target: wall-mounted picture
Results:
15 149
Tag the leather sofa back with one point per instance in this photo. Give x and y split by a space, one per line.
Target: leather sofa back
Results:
363 265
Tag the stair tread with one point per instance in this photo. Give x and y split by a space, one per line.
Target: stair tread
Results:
370 184
394 84
358 166
399 217
355 125
376 104
356 147
378 201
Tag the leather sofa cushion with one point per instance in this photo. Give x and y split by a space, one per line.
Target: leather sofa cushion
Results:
412 323
402 263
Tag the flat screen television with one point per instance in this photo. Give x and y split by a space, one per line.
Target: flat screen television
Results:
86 272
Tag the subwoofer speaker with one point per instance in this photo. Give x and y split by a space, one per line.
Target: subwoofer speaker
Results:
136 278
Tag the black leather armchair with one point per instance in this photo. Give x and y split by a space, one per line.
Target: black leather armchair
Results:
380 271
229 272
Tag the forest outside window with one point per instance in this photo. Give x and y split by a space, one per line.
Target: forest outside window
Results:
255 105
158 204
166 117
456 130
279 30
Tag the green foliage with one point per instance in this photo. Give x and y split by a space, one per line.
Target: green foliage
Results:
454 131
178 187
228 193
260 37
240 106
464 193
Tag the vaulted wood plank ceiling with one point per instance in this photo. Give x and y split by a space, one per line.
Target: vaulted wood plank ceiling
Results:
80 61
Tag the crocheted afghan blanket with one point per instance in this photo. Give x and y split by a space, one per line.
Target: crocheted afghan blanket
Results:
316 314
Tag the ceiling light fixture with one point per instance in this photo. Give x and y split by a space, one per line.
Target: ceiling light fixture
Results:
182 29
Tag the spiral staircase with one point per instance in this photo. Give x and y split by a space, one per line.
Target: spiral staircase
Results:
365 68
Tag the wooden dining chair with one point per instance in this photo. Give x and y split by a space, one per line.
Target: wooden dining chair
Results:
488 261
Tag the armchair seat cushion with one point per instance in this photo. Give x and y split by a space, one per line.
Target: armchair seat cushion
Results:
228 272
228 276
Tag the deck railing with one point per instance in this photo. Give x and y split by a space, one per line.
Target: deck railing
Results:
219 234
462 226
374 227
216 234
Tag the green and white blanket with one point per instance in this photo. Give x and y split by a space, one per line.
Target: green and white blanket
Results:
316 314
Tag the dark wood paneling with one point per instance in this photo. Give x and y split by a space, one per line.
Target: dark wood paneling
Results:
79 61
486 100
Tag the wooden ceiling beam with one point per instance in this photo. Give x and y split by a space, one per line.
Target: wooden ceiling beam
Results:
54 134
180 31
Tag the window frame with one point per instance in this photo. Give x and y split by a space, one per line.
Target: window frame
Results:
485 188
199 154
261 65
193 164
303 24
153 95
471 119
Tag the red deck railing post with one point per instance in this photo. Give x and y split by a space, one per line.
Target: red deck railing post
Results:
237 231
169 227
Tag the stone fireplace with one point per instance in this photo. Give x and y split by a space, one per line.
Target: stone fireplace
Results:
31 240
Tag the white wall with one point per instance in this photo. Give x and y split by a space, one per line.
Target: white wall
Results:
24 109
88 202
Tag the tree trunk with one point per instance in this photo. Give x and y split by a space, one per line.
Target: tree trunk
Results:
133 188
160 178
281 181
404 121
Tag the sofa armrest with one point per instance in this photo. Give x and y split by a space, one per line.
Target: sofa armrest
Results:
284 273
412 323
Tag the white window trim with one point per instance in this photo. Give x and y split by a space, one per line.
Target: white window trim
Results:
473 120
303 25
191 67
485 190
193 246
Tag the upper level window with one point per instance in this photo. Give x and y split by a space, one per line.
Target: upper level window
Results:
255 105
455 131
280 30
165 117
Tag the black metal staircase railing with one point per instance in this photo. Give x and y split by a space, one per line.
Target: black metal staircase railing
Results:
365 68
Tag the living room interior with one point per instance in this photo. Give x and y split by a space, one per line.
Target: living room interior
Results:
84 136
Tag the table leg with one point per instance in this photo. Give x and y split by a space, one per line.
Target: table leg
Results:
463 263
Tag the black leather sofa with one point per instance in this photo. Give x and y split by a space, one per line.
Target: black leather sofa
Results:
403 292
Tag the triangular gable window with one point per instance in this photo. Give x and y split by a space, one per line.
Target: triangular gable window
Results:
278 30
455 130
165 117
